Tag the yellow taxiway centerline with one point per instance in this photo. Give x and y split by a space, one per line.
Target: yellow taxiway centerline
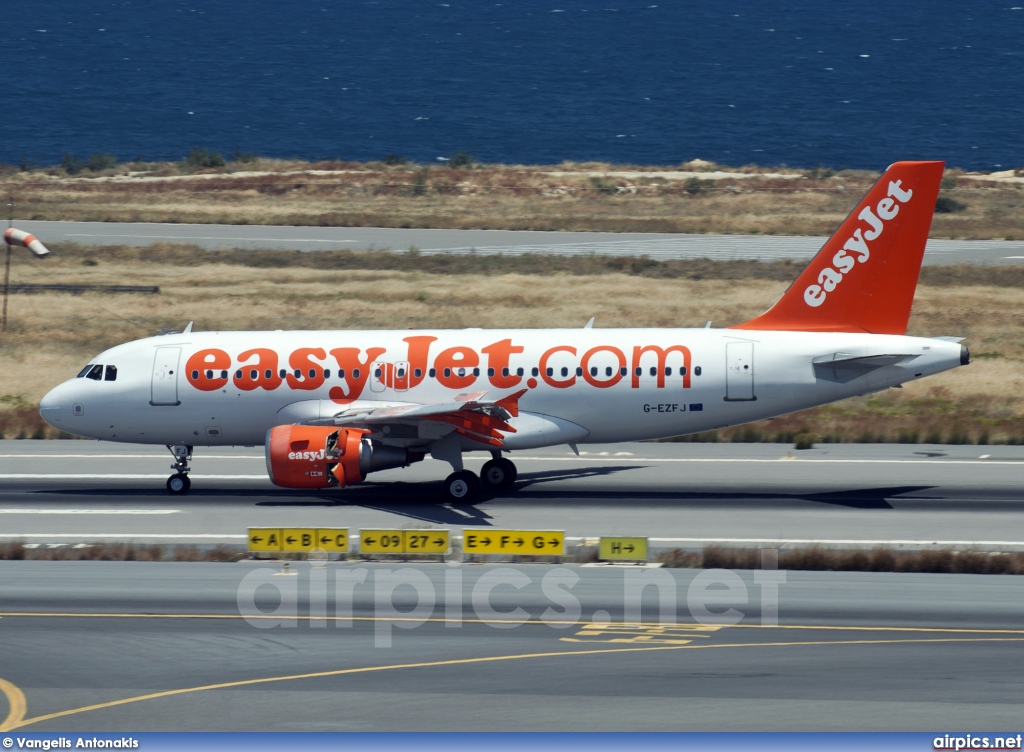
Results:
466 661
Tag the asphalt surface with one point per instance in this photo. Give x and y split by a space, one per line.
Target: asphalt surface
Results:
654 245
150 647
688 495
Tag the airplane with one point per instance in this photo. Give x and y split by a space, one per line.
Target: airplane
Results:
331 407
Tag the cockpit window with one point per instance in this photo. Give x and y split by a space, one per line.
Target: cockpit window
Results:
95 373
111 374
84 371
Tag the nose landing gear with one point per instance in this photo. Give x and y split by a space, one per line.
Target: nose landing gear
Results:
179 482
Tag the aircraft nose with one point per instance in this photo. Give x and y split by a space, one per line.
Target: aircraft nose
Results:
50 407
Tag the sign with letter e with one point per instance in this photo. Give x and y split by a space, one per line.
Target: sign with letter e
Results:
531 542
264 539
622 549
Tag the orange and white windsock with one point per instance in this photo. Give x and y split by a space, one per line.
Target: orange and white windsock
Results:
22 238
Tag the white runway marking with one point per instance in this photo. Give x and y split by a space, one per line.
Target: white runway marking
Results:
90 511
819 542
124 456
129 536
185 239
120 476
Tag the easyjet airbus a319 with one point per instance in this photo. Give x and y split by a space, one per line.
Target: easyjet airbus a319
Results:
330 407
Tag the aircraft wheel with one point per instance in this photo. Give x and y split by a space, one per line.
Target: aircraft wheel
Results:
499 473
462 487
178 484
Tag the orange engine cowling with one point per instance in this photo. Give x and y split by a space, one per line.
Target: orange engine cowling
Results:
314 456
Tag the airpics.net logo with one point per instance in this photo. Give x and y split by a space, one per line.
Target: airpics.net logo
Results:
505 597
956 743
886 210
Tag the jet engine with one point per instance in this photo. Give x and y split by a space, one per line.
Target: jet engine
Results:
324 457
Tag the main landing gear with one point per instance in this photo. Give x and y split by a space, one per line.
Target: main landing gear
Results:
179 482
497 474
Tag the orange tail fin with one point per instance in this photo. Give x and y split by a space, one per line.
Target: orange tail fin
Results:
863 279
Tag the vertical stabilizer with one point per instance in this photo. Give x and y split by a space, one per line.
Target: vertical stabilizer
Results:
863 279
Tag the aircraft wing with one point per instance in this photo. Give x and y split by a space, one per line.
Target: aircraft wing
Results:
469 414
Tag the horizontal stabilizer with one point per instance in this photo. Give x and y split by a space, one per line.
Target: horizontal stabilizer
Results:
843 367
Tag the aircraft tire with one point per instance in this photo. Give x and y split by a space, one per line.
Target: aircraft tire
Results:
178 484
499 473
462 487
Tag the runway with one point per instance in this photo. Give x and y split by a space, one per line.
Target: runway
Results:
678 494
144 647
485 242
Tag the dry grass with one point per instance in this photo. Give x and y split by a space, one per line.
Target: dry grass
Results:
52 335
17 550
842 560
589 196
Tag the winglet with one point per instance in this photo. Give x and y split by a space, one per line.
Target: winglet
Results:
863 279
511 402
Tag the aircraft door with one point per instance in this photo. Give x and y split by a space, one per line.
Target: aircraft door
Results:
739 371
164 389
377 376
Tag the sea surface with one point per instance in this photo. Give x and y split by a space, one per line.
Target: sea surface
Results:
798 82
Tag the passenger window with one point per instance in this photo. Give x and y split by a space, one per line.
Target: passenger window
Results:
327 373
209 373
268 374
111 374
418 373
195 375
355 373
519 372
84 371
432 372
639 371
283 373
696 371
608 371
682 371
238 373
377 373
476 371
298 373
461 372
95 373
254 374
401 373
623 371
504 372
551 371
579 371
223 374
312 373
341 373
668 371
654 371
490 371
447 372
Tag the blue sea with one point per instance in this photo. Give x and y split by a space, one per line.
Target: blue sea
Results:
798 82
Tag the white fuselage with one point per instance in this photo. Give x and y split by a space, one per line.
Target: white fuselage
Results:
230 388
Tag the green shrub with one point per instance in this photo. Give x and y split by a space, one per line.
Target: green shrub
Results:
947 205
